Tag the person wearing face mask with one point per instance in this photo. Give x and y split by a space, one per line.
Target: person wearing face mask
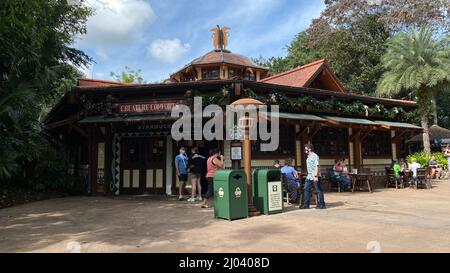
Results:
312 166
181 167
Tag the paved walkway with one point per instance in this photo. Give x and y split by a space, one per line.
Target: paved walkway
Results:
388 220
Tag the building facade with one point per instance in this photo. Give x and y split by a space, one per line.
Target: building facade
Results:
119 134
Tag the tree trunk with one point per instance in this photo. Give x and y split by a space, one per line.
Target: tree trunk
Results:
434 103
426 136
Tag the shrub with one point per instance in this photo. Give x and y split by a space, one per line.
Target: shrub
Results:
424 158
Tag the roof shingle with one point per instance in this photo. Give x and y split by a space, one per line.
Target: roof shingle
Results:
297 77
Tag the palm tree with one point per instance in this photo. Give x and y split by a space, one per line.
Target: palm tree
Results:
419 63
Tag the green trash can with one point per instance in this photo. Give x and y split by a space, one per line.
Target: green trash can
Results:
230 194
268 191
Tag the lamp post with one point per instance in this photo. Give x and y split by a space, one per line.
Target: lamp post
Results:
247 123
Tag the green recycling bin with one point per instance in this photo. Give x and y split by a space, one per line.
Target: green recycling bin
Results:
268 191
230 194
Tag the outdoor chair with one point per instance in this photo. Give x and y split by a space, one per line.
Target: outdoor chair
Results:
422 179
301 192
392 180
286 193
333 181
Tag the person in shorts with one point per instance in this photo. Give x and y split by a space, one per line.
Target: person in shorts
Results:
196 165
181 167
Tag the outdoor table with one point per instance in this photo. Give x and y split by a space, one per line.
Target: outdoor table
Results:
359 177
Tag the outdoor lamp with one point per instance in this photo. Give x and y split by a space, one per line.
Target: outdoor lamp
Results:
247 123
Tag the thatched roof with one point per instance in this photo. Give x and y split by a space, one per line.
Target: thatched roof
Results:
436 132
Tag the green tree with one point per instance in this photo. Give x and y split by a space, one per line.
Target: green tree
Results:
395 15
353 52
37 65
419 63
128 76
351 35
443 109
275 64
300 52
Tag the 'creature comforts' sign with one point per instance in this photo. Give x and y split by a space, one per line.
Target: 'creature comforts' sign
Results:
154 106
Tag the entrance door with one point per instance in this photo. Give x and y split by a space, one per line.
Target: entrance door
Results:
142 165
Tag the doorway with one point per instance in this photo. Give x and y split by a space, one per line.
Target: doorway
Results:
142 165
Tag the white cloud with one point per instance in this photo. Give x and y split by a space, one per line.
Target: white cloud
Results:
118 21
168 51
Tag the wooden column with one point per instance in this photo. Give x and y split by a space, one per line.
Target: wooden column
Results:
92 160
349 144
108 159
357 151
304 141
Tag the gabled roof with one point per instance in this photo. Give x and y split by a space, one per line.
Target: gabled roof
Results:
84 82
304 76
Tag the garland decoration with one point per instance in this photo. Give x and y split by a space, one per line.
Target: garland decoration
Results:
310 104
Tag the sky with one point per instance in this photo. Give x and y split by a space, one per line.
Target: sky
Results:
161 36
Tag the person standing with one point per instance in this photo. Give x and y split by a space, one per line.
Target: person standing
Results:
181 167
312 166
214 163
196 165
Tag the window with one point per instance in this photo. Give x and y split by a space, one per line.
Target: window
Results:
286 146
232 73
377 144
249 76
331 142
210 73
187 77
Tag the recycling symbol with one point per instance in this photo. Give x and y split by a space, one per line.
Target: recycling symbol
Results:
238 192
221 192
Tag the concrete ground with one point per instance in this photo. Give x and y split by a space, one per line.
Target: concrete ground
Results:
387 220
